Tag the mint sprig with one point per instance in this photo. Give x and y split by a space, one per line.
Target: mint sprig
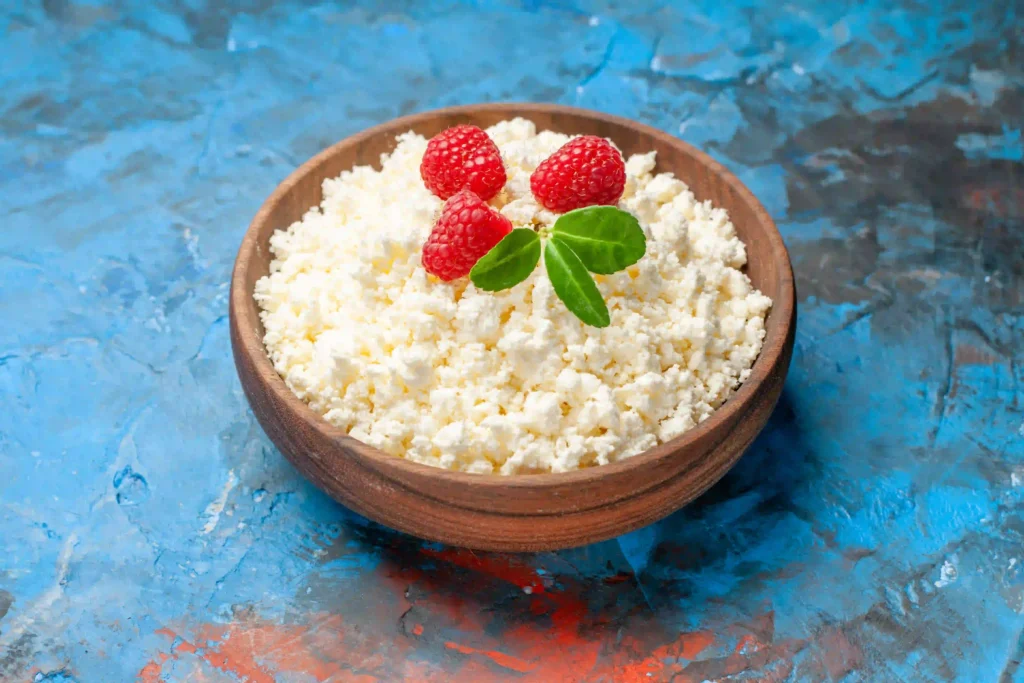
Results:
606 239
599 239
509 262
573 284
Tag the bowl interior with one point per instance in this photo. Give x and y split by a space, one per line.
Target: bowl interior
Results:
768 268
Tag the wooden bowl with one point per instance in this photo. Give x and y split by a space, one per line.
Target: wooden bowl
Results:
522 512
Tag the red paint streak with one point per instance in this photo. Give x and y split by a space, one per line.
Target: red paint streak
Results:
539 606
504 567
245 670
558 634
563 644
218 659
970 355
1002 201
499 658
180 646
562 651
635 661
151 672
687 647
240 648
621 577
747 644
839 655
691 644
571 644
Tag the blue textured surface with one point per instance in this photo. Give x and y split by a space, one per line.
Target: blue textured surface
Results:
875 532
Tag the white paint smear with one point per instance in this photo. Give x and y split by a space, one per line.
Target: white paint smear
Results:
41 610
214 509
947 574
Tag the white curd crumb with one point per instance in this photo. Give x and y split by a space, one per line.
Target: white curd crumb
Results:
508 382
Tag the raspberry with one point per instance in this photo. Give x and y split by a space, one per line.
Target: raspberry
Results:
585 171
461 158
466 230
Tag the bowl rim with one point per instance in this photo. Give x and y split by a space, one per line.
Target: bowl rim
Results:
779 322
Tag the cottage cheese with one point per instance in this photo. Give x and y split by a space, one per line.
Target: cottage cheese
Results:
508 382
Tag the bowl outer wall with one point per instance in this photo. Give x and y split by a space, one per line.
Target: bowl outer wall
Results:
524 511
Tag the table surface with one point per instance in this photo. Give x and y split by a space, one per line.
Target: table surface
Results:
874 532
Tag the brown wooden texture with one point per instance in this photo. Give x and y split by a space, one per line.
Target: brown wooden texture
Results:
524 512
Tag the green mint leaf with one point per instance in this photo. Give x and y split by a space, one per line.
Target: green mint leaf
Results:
605 238
510 261
573 284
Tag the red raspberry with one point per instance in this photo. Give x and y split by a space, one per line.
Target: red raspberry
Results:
461 158
467 229
585 171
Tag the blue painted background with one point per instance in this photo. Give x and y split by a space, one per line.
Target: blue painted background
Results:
148 528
